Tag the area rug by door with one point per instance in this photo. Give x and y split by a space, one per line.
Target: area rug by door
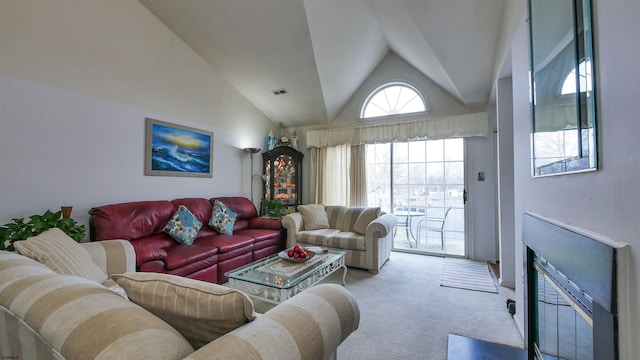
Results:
467 274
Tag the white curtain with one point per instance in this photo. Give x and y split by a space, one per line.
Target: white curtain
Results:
336 185
316 175
358 176
434 128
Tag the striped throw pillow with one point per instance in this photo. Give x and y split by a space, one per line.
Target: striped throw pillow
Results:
366 216
45 315
61 254
314 217
199 310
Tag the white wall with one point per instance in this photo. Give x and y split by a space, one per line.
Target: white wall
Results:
394 68
480 157
77 80
605 201
506 230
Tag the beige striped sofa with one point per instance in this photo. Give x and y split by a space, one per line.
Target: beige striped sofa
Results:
365 233
49 315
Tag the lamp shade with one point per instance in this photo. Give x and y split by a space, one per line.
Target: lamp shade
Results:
251 150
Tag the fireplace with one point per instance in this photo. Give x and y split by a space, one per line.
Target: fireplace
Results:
571 292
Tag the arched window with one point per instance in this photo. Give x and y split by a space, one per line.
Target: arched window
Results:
569 85
393 99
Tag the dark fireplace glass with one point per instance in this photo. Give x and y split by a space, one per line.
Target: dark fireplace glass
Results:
564 324
571 293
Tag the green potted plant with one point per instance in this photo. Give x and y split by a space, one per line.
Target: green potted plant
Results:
20 229
273 208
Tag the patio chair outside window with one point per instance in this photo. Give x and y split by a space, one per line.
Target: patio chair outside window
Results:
405 216
435 224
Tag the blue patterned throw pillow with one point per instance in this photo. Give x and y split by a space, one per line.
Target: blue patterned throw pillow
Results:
222 218
183 226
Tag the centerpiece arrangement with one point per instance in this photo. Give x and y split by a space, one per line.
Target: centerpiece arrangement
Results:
297 254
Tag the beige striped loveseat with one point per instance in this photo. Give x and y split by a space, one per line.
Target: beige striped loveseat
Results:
49 315
366 234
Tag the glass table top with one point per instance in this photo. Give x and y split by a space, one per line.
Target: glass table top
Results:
279 273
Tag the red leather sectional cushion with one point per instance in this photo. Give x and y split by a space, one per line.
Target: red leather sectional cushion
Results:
200 207
232 263
151 247
130 220
209 274
181 255
260 234
187 270
265 223
204 266
238 252
259 245
161 240
226 243
240 225
206 230
153 266
144 254
239 205
264 252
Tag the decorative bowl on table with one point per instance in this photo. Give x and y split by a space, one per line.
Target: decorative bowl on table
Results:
296 254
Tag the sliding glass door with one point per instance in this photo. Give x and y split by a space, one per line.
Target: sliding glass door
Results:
422 183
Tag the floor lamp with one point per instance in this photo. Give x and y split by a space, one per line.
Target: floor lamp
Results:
251 151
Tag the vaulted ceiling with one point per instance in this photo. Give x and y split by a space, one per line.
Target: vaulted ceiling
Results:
321 51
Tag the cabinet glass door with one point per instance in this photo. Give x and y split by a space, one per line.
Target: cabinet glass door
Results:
284 180
282 169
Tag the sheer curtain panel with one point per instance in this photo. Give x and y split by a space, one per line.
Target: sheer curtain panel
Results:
358 176
337 184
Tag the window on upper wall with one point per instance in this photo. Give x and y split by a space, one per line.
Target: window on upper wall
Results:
393 99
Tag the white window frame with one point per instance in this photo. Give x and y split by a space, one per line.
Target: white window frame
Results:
384 86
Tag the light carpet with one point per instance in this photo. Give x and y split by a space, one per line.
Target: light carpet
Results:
406 314
467 274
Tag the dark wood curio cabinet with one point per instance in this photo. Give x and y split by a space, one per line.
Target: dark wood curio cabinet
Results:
283 175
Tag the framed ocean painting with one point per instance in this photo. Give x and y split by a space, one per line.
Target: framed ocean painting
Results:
176 150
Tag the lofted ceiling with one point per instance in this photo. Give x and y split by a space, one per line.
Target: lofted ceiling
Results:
321 51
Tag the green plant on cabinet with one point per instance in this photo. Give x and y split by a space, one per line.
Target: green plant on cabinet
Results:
273 208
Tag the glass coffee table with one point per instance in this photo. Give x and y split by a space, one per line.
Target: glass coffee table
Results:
275 280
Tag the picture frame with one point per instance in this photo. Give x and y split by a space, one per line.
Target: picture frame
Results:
176 150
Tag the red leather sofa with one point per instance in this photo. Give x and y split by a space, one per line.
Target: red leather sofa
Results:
210 255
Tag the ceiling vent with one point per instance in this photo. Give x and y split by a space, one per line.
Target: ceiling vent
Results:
280 92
